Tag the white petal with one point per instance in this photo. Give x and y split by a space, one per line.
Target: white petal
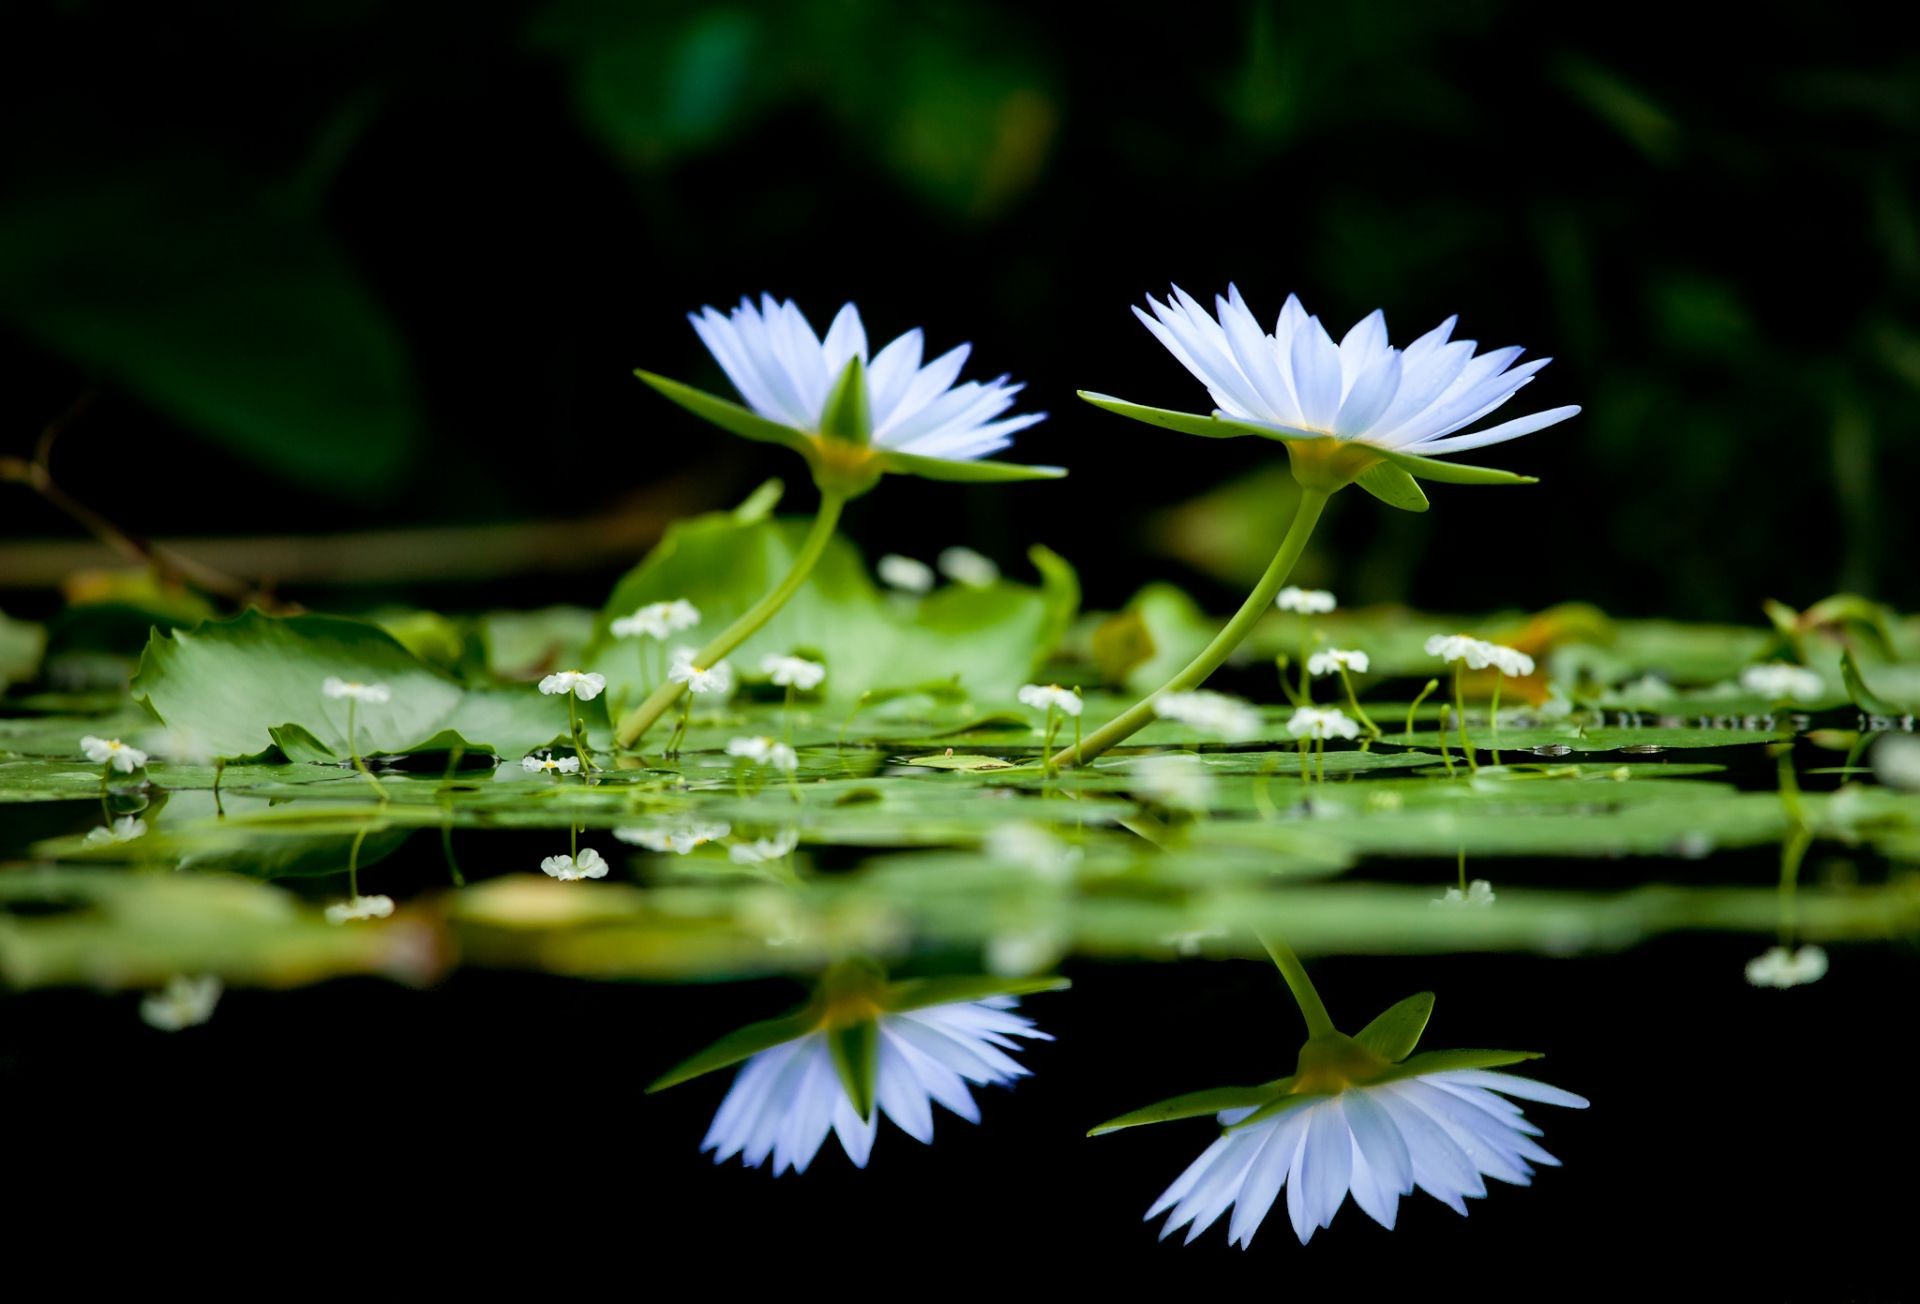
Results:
846 340
1266 1175
1513 1084
1316 374
1501 433
1369 396
1361 348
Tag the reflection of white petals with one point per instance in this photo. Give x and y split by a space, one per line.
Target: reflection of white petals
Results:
1308 602
184 1003
904 573
360 907
965 566
1214 713
1779 967
588 864
582 684
762 850
657 620
785 1100
699 679
1780 682
550 764
679 840
113 752
1322 723
337 688
793 672
1335 659
1896 762
1478 893
124 829
1043 696
764 751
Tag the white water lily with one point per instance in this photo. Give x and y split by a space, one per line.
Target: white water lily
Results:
679 841
588 863
1044 697
359 907
1478 654
183 1003
583 684
1780 682
793 672
113 753
124 829
1307 602
786 1099
717 678
966 567
1334 660
1780 967
550 764
761 851
337 688
764 751
1214 713
905 574
1321 723
657 620
1297 381
1444 1132
1478 893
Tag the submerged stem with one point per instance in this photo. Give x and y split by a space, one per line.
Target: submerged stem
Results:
353 750
1319 1023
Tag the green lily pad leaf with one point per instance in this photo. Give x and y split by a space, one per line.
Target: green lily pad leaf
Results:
1428 468
1394 1034
918 993
941 468
728 415
847 416
1187 423
1449 1061
1195 1103
949 761
740 1044
856 1057
1393 486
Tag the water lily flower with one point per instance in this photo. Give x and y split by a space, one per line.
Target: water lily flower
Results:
336 688
1780 682
360 907
717 678
113 754
586 863
582 684
1478 893
904 573
1321 723
765 751
1214 713
860 1048
1051 697
1307 602
1334 660
657 620
550 764
761 851
793 672
966 567
124 829
1779 967
679 841
183 1003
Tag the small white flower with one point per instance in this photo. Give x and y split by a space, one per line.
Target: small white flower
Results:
965 566
793 672
360 907
582 684
588 864
1335 659
764 751
124 829
1479 654
1308 602
1214 713
1033 848
904 573
183 1003
113 752
1029 951
1042 696
550 764
1896 762
181 745
1779 967
658 620
679 841
1478 893
710 679
1780 682
1178 781
1322 723
337 688
786 1099
762 850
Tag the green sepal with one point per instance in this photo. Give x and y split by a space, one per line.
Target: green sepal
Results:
1187 423
1397 1031
1429 468
918 993
847 415
1275 1108
1393 486
1195 1103
729 416
1285 434
856 1057
940 468
1448 1061
740 1044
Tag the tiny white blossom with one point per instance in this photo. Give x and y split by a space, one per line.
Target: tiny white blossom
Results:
1042 696
550 764
717 678
1479 654
1335 659
658 620
336 687
1478 893
183 1003
1177 781
588 864
1033 848
584 685
1780 682
764 751
1322 722
677 840
793 672
124 829
113 752
762 850
1214 713
1779 967
1896 762
181 745
965 566
1308 602
905 574
360 907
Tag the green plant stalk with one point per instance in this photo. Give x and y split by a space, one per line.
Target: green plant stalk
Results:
1195 672
1312 1009
1412 710
1353 700
579 739
1460 709
353 750
644 716
353 859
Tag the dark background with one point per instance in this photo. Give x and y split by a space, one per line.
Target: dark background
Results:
333 266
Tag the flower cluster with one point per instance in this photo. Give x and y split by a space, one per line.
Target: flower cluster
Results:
1478 654
1334 660
583 684
1780 967
793 672
183 1003
1780 682
1307 602
1321 723
1214 713
764 751
717 678
587 864
338 688
679 841
1050 697
905 574
550 764
113 754
359 907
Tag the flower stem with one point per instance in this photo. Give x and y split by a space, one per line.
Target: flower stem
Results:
1195 673
644 716
579 739
1411 710
1353 700
1460 709
353 750
1311 1008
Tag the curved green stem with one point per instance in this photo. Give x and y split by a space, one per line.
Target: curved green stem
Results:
1319 1023
1195 673
643 716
